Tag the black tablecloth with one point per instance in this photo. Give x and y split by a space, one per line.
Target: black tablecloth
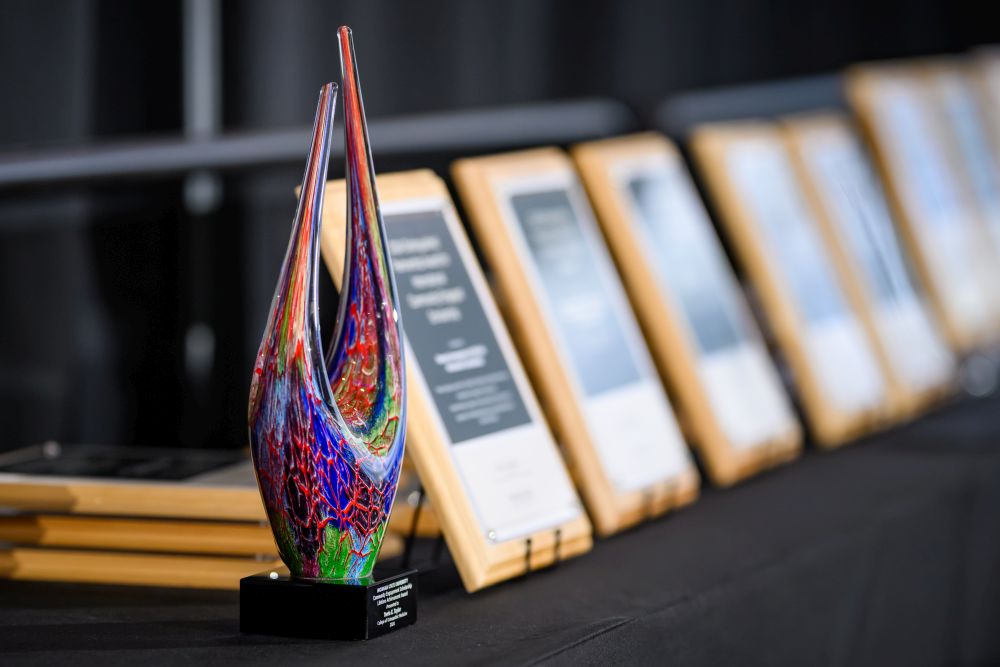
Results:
884 552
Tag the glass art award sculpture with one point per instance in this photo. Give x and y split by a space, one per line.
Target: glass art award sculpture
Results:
327 431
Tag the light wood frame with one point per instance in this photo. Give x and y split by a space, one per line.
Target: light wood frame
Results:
933 72
862 85
830 426
799 131
664 326
480 563
476 180
37 493
166 535
168 553
134 569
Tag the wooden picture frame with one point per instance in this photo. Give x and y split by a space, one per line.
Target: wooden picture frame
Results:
772 229
129 568
130 534
854 218
459 481
722 379
962 119
624 474
936 218
227 492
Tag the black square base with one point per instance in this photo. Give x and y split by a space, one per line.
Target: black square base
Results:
276 604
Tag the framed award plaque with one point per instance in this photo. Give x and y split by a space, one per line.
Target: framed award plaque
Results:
690 305
855 221
577 334
475 431
962 113
750 175
937 218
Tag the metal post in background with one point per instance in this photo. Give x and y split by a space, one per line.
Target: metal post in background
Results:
201 78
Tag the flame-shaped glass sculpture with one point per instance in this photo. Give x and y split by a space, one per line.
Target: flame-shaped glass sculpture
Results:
326 434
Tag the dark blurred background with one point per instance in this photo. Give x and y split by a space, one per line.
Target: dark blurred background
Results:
131 306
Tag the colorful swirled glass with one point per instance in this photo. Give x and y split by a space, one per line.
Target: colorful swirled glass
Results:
326 433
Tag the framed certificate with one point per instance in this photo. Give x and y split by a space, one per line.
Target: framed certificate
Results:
937 217
855 221
774 232
577 334
476 434
962 113
690 305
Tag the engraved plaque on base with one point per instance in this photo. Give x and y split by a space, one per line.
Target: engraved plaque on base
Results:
275 603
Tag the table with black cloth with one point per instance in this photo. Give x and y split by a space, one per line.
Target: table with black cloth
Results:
886 552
